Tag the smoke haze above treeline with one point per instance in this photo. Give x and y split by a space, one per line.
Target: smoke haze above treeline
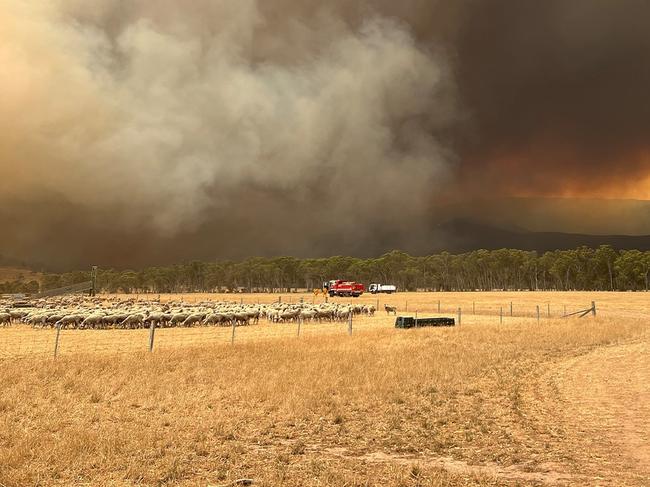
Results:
150 131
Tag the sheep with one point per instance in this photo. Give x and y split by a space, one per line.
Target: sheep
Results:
242 318
156 318
215 319
289 315
17 315
92 321
5 319
53 318
69 320
133 321
85 313
369 310
308 315
37 319
326 314
343 313
193 319
178 318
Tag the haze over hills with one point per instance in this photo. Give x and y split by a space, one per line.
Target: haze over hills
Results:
538 224
467 235
593 216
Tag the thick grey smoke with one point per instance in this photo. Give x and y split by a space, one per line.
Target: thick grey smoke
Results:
159 130
163 116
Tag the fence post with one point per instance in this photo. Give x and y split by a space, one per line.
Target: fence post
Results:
501 315
350 324
460 314
438 306
232 338
548 310
538 314
510 309
416 319
299 323
152 332
56 341
593 308
406 307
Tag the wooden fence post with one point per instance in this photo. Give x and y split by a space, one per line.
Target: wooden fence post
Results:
416 319
438 306
548 310
406 307
460 314
152 331
511 309
232 338
56 341
593 308
501 315
538 314
350 324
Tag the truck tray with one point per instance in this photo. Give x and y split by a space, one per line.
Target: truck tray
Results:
411 322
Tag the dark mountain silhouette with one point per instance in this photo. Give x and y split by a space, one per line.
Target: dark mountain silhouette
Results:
464 235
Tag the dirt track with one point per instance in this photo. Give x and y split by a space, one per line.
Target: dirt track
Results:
608 393
599 404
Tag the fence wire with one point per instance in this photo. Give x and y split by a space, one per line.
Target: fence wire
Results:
22 341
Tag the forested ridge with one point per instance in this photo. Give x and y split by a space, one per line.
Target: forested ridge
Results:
581 269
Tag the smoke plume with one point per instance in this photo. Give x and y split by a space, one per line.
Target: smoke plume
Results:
557 92
151 131
162 117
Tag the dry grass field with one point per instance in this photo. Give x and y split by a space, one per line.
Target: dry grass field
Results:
559 402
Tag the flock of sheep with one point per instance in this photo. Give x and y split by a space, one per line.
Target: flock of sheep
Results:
80 312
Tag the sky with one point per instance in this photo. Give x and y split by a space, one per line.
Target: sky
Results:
145 132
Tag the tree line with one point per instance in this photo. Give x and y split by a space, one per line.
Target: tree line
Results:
584 268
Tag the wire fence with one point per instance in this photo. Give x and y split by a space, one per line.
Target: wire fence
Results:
405 305
21 341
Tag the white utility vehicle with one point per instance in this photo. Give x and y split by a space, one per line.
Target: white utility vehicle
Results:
382 288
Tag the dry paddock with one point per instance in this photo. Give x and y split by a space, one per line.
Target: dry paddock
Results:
554 402
472 308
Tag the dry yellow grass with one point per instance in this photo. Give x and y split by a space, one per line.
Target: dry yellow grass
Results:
479 404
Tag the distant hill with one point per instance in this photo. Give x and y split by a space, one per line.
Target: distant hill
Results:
464 235
563 215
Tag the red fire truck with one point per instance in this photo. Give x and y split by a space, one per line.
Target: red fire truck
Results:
344 288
